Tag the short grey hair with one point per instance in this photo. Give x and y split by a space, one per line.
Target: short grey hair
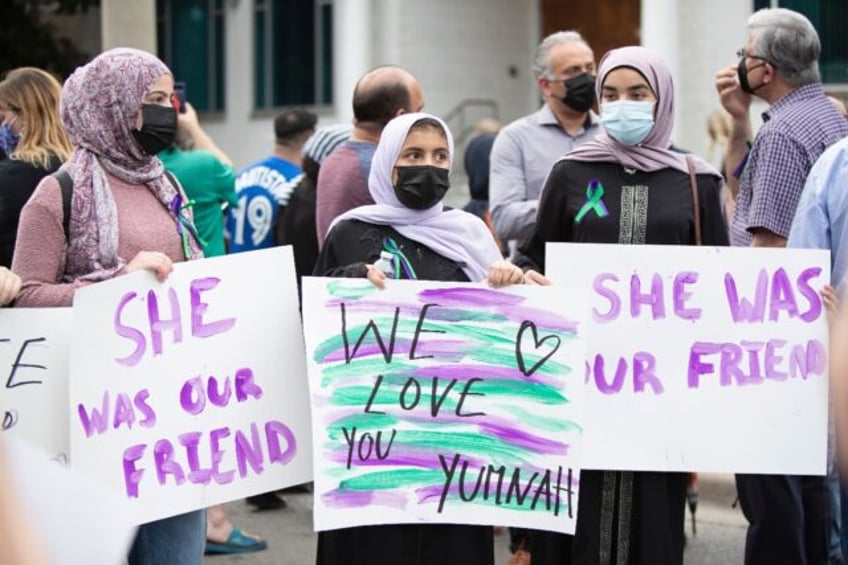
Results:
541 58
787 40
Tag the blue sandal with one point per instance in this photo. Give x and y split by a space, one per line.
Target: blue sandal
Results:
238 542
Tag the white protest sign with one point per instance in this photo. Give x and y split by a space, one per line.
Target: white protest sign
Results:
75 518
706 359
34 350
444 402
191 392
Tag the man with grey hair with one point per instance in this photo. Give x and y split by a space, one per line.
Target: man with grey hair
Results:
788 515
526 149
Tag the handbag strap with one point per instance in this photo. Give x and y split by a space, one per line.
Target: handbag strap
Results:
696 202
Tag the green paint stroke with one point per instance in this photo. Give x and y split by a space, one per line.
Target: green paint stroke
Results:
505 357
536 422
519 389
351 289
383 480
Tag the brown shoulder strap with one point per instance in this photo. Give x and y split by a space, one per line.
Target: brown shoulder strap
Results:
696 202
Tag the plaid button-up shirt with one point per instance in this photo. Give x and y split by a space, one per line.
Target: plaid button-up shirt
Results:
796 131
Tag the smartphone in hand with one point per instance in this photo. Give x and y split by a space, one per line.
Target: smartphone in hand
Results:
180 96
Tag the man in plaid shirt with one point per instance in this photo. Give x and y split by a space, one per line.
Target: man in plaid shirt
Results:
789 516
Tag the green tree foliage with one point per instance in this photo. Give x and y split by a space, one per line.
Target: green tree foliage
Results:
29 39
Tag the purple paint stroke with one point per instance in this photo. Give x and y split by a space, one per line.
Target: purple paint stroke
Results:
339 498
400 456
466 372
470 297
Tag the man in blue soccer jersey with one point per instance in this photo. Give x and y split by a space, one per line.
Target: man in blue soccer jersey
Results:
264 188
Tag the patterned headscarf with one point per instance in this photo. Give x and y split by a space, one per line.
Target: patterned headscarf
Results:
100 104
457 235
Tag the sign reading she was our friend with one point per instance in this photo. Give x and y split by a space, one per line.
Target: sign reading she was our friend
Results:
191 392
702 358
34 350
444 402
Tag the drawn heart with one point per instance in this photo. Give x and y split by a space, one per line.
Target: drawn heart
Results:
537 343
10 418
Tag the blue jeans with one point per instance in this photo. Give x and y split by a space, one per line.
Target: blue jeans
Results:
178 540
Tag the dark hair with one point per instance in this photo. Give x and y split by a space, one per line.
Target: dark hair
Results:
379 103
293 124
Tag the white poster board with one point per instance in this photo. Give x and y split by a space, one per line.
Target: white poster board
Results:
191 392
74 519
706 359
444 402
34 350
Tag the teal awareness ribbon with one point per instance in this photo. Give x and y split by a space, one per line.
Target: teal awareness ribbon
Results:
401 261
594 193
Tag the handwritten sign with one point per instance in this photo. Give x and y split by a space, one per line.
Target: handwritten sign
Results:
191 392
444 402
34 351
703 359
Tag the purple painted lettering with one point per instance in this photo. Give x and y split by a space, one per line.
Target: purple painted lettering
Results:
600 380
609 294
731 355
249 452
644 373
124 413
98 422
681 295
755 375
273 431
782 296
132 334
245 386
159 325
741 309
810 294
696 366
141 404
215 436
163 455
654 299
193 396
196 475
199 308
216 397
132 476
773 359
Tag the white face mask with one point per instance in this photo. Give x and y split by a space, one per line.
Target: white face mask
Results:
628 121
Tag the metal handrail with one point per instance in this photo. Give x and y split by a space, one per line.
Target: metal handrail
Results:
458 112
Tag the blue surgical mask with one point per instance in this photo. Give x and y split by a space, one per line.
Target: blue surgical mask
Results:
628 121
8 138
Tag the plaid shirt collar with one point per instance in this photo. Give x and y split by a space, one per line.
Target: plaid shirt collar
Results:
800 94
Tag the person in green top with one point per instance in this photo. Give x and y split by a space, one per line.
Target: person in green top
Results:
207 176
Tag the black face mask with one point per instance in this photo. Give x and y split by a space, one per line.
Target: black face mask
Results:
742 73
580 92
421 186
158 127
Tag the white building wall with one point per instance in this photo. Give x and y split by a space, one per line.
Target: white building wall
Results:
702 39
457 50
461 50
467 49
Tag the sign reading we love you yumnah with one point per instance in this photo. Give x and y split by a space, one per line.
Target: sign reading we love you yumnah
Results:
444 402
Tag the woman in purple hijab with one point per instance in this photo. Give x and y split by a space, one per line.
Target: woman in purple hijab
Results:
123 215
627 187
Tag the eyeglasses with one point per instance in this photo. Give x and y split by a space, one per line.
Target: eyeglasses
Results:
741 53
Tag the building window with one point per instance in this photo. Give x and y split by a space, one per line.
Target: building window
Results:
190 39
828 17
292 53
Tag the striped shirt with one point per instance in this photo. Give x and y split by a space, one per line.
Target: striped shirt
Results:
796 130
